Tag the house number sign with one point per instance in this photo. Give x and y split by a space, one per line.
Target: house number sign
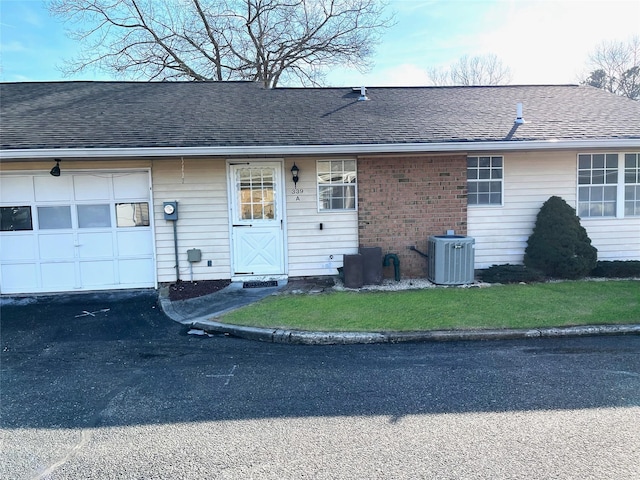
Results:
297 192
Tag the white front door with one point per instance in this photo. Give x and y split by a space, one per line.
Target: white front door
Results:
257 219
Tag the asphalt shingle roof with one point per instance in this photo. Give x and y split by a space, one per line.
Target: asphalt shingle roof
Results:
212 114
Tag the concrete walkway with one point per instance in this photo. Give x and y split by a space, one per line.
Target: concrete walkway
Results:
201 314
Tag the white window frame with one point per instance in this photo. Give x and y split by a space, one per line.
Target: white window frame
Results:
353 184
491 179
606 173
625 171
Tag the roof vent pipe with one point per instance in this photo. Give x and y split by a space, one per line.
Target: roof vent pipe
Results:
519 118
363 94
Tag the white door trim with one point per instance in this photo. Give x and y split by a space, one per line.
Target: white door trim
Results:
280 199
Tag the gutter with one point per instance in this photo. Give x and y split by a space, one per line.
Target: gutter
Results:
302 150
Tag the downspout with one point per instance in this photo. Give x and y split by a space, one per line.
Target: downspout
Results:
175 246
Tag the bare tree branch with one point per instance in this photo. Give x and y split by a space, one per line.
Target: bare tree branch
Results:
271 41
477 70
615 67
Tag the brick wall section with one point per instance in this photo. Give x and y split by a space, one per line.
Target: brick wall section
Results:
403 200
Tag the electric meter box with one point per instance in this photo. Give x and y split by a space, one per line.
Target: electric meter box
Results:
170 210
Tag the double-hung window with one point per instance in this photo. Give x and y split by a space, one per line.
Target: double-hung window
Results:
597 184
484 180
631 184
336 185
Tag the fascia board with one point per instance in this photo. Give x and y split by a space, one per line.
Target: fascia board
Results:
281 150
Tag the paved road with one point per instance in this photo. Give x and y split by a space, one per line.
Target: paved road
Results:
105 386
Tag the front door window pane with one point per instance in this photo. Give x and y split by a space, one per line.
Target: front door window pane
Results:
50 218
256 193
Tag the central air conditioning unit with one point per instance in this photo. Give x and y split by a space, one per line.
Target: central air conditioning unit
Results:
451 259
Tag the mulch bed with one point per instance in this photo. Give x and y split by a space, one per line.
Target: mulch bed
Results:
185 290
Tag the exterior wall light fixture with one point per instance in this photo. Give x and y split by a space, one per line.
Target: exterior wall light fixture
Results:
55 171
294 173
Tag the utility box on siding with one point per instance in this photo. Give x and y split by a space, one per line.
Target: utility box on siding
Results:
451 259
194 255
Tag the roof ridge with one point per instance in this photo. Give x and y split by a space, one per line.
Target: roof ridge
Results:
249 82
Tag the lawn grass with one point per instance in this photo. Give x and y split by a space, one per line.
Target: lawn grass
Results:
500 306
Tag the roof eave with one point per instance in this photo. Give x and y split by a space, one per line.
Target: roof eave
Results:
287 150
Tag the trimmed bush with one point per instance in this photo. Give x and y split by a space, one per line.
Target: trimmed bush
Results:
617 269
559 246
510 274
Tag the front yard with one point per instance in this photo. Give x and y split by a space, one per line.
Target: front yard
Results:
552 304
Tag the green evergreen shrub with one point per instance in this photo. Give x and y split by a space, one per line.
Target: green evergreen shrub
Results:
617 269
510 274
559 246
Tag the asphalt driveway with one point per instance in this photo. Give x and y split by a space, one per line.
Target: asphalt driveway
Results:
106 386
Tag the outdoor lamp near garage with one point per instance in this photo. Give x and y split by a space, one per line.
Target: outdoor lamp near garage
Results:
55 171
294 172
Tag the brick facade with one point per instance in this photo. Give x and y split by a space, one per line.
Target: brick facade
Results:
403 200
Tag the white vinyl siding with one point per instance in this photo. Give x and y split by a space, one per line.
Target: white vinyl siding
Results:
615 238
200 187
530 178
501 234
313 251
201 191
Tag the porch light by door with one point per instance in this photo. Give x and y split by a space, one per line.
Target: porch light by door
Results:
294 173
55 171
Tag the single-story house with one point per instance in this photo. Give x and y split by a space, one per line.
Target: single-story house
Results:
263 184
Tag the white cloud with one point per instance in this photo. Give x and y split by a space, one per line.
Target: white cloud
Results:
549 42
406 75
13 46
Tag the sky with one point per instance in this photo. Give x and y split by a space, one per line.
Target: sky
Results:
542 42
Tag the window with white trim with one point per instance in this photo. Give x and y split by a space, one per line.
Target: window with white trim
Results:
484 180
597 184
632 184
337 186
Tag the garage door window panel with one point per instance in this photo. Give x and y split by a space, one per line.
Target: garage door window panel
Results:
14 219
94 216
54 218
132 214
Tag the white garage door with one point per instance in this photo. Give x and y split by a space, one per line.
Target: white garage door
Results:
75 232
